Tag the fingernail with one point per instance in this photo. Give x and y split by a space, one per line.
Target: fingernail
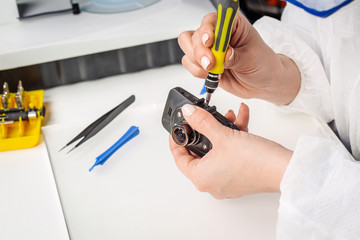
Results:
205 62
187 110
205 37
232 53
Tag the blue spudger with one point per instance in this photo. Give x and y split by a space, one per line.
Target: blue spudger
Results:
203 90
130 134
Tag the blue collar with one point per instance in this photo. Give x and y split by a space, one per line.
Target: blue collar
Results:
320 8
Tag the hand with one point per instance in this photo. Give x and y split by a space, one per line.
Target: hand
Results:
239 163
252 69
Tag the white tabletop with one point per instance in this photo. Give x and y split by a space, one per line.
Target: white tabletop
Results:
138 193
29 201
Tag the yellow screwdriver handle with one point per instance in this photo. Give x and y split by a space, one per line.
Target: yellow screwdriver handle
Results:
226 12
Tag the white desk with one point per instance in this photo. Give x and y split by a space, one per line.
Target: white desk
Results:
138 193
29 202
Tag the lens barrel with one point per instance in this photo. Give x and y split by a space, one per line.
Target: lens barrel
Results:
184 135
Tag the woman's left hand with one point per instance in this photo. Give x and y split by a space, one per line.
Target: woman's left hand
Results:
239 163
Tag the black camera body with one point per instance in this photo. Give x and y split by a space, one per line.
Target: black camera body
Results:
182 133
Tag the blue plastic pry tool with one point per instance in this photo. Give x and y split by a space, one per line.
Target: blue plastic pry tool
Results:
130 134
203 90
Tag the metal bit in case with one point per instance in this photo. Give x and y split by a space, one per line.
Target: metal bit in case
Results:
20 88
5 95
19 96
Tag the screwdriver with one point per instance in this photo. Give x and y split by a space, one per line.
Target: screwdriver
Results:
15 114
226 12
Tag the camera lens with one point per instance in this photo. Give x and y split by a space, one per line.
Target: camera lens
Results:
184 135
180 136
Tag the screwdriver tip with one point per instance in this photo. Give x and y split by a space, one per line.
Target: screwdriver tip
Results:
207 100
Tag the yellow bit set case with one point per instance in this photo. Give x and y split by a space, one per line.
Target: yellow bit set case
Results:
21 114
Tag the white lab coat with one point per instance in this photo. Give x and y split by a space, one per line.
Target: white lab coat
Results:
320 191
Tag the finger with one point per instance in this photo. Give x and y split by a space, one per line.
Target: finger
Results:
232 57
207 29
229 55
203 122
202 54
197 43
236 86
230 115
242 119
193 67
185 42
217 196
239 39
184 160
188 42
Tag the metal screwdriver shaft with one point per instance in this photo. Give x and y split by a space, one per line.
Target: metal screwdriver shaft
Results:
211 83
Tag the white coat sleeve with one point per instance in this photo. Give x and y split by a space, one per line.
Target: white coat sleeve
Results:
320 190
320 193
314 96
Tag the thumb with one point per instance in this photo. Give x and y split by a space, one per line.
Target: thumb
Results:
242 119
203 122
230 57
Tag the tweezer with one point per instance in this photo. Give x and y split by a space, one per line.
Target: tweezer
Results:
100 123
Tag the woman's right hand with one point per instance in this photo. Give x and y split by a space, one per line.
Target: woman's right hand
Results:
252 69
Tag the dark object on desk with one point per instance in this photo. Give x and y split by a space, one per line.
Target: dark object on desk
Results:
254 10
100 123
95 66
36 8
181 132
